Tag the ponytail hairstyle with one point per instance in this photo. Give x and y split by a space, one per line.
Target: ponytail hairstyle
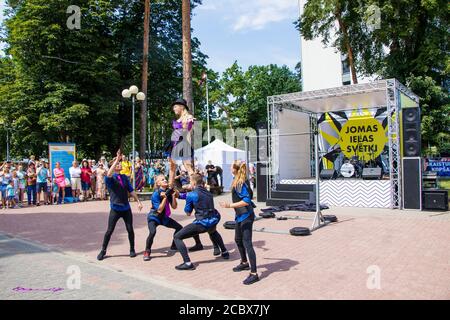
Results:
241 175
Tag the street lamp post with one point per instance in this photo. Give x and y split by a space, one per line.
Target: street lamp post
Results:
7 145
134 93
204 80
207 108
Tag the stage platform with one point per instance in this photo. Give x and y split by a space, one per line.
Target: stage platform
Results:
351 192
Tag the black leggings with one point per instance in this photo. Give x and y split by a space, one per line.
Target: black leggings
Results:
114 216
192 230
243 238
172 224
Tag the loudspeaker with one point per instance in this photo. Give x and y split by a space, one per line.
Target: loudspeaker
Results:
371 173
435 200
261 181
411 132
262 143
327 174
262 156
412 183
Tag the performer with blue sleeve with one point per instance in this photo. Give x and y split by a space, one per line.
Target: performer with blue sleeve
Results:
163 199
243 206
206 220
119 188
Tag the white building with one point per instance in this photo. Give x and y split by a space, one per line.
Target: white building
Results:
323 67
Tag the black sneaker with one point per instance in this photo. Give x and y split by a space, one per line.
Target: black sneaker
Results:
216 251
225 255
185 266
252 278
101 255
241 267
132 253
197 247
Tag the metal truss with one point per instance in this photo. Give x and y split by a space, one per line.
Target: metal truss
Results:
395 173
327 93
392 89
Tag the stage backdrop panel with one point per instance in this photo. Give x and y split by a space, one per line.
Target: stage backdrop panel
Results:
361 132
352 193
291 154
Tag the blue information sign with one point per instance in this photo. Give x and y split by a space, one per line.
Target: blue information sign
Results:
63 153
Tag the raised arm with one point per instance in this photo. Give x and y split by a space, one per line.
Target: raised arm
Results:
113 166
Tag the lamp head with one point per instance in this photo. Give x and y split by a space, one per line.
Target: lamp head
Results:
126 93
134 90
140 96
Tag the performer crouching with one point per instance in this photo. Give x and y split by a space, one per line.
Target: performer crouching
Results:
243 206
206 219
119 186
162 199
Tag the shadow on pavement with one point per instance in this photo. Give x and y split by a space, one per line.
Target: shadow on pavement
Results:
281 265
80 232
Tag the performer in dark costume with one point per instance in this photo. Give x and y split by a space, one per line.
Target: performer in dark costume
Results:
243 206
180 147
160 213
206 220
119 187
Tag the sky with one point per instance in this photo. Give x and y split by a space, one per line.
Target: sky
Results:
252 32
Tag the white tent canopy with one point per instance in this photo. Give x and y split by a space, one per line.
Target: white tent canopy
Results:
221 154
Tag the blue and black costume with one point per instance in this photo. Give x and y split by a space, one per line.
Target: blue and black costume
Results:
119 187
245 216
155 218
206 220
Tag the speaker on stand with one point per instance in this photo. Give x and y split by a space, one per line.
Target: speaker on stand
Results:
262 158
412 162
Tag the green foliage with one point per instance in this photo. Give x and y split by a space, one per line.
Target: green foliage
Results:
59 85
410 44
242 96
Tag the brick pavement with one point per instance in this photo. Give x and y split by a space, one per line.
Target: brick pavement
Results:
411 250
31 271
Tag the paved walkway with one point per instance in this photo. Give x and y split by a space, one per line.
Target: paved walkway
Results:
31 271
368 254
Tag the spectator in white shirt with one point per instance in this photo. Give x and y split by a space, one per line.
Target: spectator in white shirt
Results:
75 178
105 163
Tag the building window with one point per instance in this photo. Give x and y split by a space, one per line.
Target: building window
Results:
345 72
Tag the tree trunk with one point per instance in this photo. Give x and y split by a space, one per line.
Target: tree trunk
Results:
143 126
230 123
187 54
348 47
